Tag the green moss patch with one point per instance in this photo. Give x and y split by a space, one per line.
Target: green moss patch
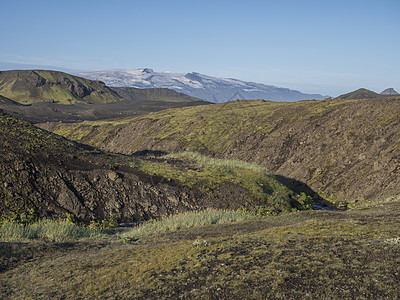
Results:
205 174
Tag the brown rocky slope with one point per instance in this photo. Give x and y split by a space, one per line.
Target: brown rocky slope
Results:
349 149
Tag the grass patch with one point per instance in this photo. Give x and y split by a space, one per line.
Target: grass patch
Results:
51 230
64 230
205 174
185 220
221 163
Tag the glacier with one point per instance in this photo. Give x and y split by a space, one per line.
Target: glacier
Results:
198 85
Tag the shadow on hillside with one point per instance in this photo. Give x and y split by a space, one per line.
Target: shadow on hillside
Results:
299 186
155 153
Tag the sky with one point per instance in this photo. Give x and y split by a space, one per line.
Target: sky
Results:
329 47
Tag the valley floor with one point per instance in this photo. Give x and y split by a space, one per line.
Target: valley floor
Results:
353 254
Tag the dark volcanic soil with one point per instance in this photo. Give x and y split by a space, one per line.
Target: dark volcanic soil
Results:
53 112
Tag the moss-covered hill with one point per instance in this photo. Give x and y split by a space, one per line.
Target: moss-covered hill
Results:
31 86
350 149
53 176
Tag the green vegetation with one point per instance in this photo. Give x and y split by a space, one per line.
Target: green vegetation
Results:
220 163
214 182
307 254
49 230
31 228
17 134
33 86
298 140
94 134
210 128
206 174
104 224
389 118
218 122
352 254
184 220
27 226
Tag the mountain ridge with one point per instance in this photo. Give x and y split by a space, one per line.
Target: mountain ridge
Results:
198 85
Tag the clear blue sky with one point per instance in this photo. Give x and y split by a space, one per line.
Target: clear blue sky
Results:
321 46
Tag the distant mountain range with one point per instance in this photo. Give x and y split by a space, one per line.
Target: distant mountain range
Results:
41 96
198 85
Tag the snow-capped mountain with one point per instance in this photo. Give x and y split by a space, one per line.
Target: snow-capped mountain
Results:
198 85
